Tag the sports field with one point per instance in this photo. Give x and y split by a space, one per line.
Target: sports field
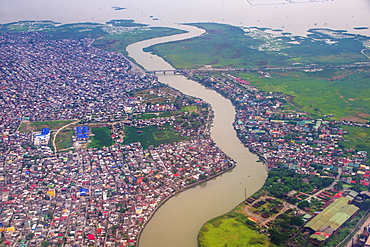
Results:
151 136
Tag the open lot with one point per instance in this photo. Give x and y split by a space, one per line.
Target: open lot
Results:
151 136
231 230
64 139
37 126
101 138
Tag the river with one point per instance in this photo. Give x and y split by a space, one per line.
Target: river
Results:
179 220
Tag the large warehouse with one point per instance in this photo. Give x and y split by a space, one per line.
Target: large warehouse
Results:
330 219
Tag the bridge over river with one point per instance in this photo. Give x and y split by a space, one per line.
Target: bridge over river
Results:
168 71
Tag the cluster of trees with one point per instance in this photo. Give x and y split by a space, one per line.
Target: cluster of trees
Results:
190 120
281 181
283 228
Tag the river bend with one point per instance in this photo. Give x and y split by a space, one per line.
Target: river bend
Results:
178 221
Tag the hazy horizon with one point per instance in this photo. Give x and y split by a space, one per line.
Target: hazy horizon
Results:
296 17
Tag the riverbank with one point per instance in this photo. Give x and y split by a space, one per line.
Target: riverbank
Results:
254 111
292 142
178 192
226 191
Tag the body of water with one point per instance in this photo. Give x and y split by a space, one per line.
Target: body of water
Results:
179 220
276 14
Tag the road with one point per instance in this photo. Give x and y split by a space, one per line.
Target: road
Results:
326 188
61 128
363 52
360 230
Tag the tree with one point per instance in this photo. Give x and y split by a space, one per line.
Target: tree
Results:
303 204
338 186
276 236
293 200
296 221
365 205
45 244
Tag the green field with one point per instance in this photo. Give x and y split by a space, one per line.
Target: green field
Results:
76 31
190 108
231 230
119 42
125 23
151 136
357 138
342 93
37 126
230 46
64 139
101 138
155 115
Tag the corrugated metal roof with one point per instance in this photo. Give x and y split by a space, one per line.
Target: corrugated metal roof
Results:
350 209
332 216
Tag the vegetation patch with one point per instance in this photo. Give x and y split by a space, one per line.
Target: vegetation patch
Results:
151 136
230 46
119 41
101 138
357 138
161 135
231 230
76 31
281 181
38 126
341 94
64 139
190 108
115 35
155 115
125 23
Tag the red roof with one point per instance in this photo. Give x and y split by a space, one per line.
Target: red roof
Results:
242 81
338 195
323 234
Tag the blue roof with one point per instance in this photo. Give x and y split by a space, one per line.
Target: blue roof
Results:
82 136
45 131
79 130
